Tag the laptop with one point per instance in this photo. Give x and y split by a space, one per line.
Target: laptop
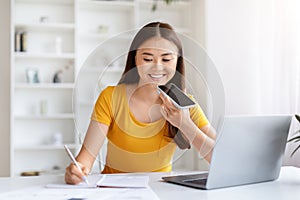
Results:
249 149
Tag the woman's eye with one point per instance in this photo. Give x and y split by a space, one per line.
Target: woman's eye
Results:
147 59
166 60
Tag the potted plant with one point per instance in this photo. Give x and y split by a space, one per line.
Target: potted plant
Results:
296 138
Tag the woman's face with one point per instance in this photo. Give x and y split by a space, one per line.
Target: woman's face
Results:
156 61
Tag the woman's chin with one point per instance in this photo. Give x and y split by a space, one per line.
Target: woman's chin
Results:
159 81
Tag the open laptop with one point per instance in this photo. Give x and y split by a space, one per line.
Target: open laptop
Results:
249 149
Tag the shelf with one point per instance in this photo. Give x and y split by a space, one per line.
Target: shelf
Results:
179 4
96 4
44 55
46 116
45 26
103 70
45 86
103 36
46 147
59 2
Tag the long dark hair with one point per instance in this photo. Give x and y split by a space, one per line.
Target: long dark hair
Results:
130 74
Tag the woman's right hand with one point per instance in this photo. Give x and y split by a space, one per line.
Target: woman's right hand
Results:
73 175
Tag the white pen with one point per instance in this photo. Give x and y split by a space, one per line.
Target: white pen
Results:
76 163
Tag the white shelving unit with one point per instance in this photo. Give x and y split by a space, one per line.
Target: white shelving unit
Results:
76 28
43 109
62 56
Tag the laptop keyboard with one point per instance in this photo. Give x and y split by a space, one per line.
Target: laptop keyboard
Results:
200 180
196 181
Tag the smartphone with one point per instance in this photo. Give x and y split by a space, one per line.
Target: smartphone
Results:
178 97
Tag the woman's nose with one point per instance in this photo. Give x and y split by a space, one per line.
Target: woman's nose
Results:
158 66
157 63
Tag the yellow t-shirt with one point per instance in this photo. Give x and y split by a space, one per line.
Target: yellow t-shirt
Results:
134 146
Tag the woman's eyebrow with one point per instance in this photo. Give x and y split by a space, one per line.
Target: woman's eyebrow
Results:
146 53
167 54
164 54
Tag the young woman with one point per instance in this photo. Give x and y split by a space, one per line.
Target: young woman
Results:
142 126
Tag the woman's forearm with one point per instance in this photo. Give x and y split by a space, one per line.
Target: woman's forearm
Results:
201 141
94 139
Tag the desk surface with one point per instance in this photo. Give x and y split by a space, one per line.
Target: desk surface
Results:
286 187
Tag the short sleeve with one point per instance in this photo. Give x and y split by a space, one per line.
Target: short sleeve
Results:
198 116
102 110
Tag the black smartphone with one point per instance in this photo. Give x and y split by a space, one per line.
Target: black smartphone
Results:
178 97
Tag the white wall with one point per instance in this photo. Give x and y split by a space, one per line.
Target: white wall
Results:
231 41
228 32
254 46
5 88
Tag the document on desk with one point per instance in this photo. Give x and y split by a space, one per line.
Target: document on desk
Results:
123 181
109 180
108 187
40 192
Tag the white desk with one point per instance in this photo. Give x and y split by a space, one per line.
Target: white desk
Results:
287 187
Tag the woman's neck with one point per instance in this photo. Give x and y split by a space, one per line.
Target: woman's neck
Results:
144 102
146 92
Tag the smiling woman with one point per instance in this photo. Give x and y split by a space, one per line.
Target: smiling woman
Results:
156 60
143 127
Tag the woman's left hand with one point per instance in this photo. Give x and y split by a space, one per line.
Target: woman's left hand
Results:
177 117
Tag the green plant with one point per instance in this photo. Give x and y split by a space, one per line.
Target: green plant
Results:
296 138
154 6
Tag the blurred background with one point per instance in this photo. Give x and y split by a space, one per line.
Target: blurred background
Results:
254 45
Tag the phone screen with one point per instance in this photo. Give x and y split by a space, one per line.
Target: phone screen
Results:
181 99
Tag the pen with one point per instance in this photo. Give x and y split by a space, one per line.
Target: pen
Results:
76 163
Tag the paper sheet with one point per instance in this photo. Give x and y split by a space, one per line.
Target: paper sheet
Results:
93 179
126 181
40 192
133 187
67 186
108 180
